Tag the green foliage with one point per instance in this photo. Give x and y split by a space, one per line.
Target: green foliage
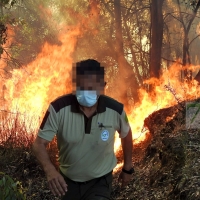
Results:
13 2
7 2
4 2
10 190
192 3
4 19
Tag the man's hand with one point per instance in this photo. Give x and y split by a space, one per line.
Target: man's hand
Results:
124 179
56 182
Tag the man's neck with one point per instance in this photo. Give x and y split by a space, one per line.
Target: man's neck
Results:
89 111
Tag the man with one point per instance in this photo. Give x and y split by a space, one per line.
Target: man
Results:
85 123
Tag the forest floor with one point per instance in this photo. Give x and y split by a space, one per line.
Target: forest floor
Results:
167 164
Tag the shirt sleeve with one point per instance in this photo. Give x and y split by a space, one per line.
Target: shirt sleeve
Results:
124 125
49 125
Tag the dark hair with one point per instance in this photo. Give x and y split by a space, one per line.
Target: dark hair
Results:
89 66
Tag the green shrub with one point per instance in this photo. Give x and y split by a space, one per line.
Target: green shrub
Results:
10 190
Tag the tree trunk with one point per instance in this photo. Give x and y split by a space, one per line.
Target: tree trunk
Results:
127 77
187 74
156 37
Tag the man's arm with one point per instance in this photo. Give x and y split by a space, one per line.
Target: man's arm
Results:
39 150
56 182
127 147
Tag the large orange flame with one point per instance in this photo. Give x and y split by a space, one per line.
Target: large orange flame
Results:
168 91
31 88
47 77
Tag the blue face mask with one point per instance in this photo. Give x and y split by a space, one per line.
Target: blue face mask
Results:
86 98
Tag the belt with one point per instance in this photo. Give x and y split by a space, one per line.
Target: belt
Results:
85 182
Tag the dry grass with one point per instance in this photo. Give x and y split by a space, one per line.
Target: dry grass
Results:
17 133
16 130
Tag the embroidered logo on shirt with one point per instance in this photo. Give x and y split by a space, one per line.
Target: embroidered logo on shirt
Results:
104 135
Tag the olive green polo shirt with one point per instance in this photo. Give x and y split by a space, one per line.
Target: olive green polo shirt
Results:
86 145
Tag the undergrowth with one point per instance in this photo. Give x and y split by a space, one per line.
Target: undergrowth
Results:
18 165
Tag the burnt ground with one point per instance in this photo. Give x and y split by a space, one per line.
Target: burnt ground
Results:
167 164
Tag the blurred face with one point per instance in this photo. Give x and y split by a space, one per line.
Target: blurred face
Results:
90 82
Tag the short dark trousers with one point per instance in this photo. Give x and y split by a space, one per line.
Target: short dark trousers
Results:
95 189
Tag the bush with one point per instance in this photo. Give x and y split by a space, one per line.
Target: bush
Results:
10 190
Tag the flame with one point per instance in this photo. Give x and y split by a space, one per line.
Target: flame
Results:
35 86
168 90
32 87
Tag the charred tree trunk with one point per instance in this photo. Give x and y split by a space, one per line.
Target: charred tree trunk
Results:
156 37
186 57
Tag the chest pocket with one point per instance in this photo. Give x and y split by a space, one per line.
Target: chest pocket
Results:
104 136
105 140
103 130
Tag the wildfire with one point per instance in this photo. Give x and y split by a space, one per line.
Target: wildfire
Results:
167 92
33 87
49 76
